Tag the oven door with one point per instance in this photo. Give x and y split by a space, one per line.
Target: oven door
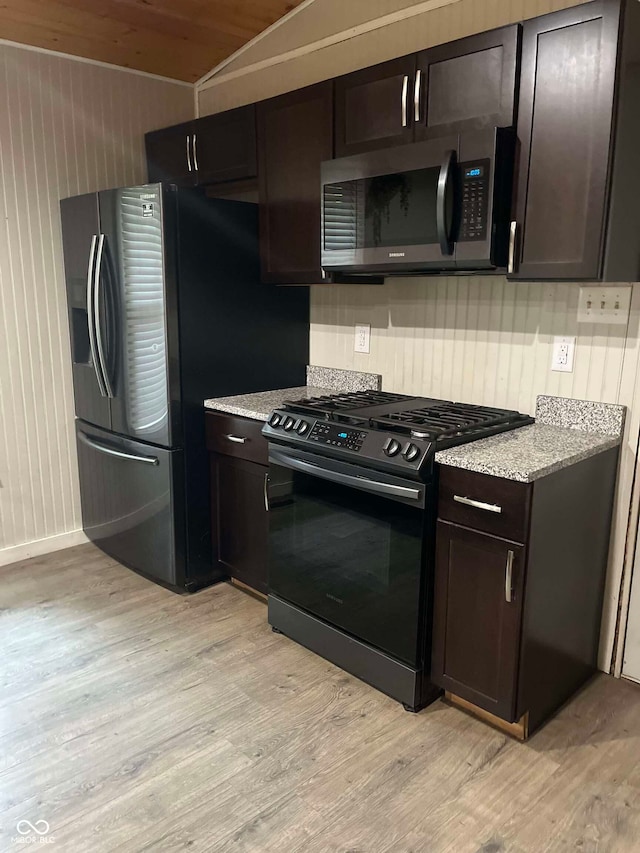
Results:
346 544
391 210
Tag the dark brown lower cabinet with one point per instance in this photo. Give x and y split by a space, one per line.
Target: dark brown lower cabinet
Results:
240 527
519 586
239 522
479 582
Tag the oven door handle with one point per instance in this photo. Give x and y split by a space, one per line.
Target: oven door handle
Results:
363 483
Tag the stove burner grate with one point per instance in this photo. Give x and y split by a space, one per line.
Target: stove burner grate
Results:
444 420
332 404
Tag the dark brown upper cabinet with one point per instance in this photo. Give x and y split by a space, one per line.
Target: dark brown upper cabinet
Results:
209 150
374 107
468 84
225 146
169 154
578 129
295 134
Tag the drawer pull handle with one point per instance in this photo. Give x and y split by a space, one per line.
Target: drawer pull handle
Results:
237 439
477 504
508 578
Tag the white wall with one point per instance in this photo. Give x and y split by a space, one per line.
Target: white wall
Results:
66 127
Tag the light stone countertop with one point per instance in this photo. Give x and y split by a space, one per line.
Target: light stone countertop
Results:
259 406
321 381
566 431
527 453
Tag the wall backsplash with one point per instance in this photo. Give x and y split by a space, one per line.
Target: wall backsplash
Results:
67 127
487 340
476 339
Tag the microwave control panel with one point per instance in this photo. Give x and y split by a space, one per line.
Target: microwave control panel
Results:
475 200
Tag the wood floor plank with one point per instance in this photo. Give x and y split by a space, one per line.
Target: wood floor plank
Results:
134 719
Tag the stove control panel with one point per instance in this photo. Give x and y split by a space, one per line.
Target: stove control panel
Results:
337 435
378 447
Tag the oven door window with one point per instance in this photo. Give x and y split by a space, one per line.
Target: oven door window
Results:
349 557
382 211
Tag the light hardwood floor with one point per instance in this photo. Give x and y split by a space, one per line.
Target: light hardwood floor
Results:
134 719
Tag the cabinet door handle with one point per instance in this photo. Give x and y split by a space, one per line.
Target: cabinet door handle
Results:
194 148
266 492
405 95
189 166
477 504
237 439
513 231
417 89
508 578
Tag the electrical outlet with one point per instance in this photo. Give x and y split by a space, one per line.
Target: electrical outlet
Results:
563 352
363 338
610 305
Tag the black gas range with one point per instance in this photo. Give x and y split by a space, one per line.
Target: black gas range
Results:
351 494
391 432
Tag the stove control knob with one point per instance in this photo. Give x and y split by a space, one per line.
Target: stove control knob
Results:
302 428
275 419
288 423
392 447
411 452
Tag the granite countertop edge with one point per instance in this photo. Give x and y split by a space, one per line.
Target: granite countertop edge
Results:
259 405
476 456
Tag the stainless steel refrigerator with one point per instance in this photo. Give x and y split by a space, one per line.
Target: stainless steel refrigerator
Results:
165 310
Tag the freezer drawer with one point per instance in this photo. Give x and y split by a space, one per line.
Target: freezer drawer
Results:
132 499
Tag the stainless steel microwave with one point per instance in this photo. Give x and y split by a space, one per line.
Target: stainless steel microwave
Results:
434 206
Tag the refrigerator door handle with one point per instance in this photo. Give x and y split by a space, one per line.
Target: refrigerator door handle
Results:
120 454
97 286
91 320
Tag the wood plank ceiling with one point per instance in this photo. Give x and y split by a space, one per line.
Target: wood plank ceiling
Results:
182 39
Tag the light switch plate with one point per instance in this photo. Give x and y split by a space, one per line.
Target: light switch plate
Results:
563 352
608 305
363 338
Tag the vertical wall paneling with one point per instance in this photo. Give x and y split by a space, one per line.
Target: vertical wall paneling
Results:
67 127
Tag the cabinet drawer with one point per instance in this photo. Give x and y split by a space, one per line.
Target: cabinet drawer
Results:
486 503
239 437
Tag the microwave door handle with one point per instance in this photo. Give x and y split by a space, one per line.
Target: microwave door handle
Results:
444 181
363 483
